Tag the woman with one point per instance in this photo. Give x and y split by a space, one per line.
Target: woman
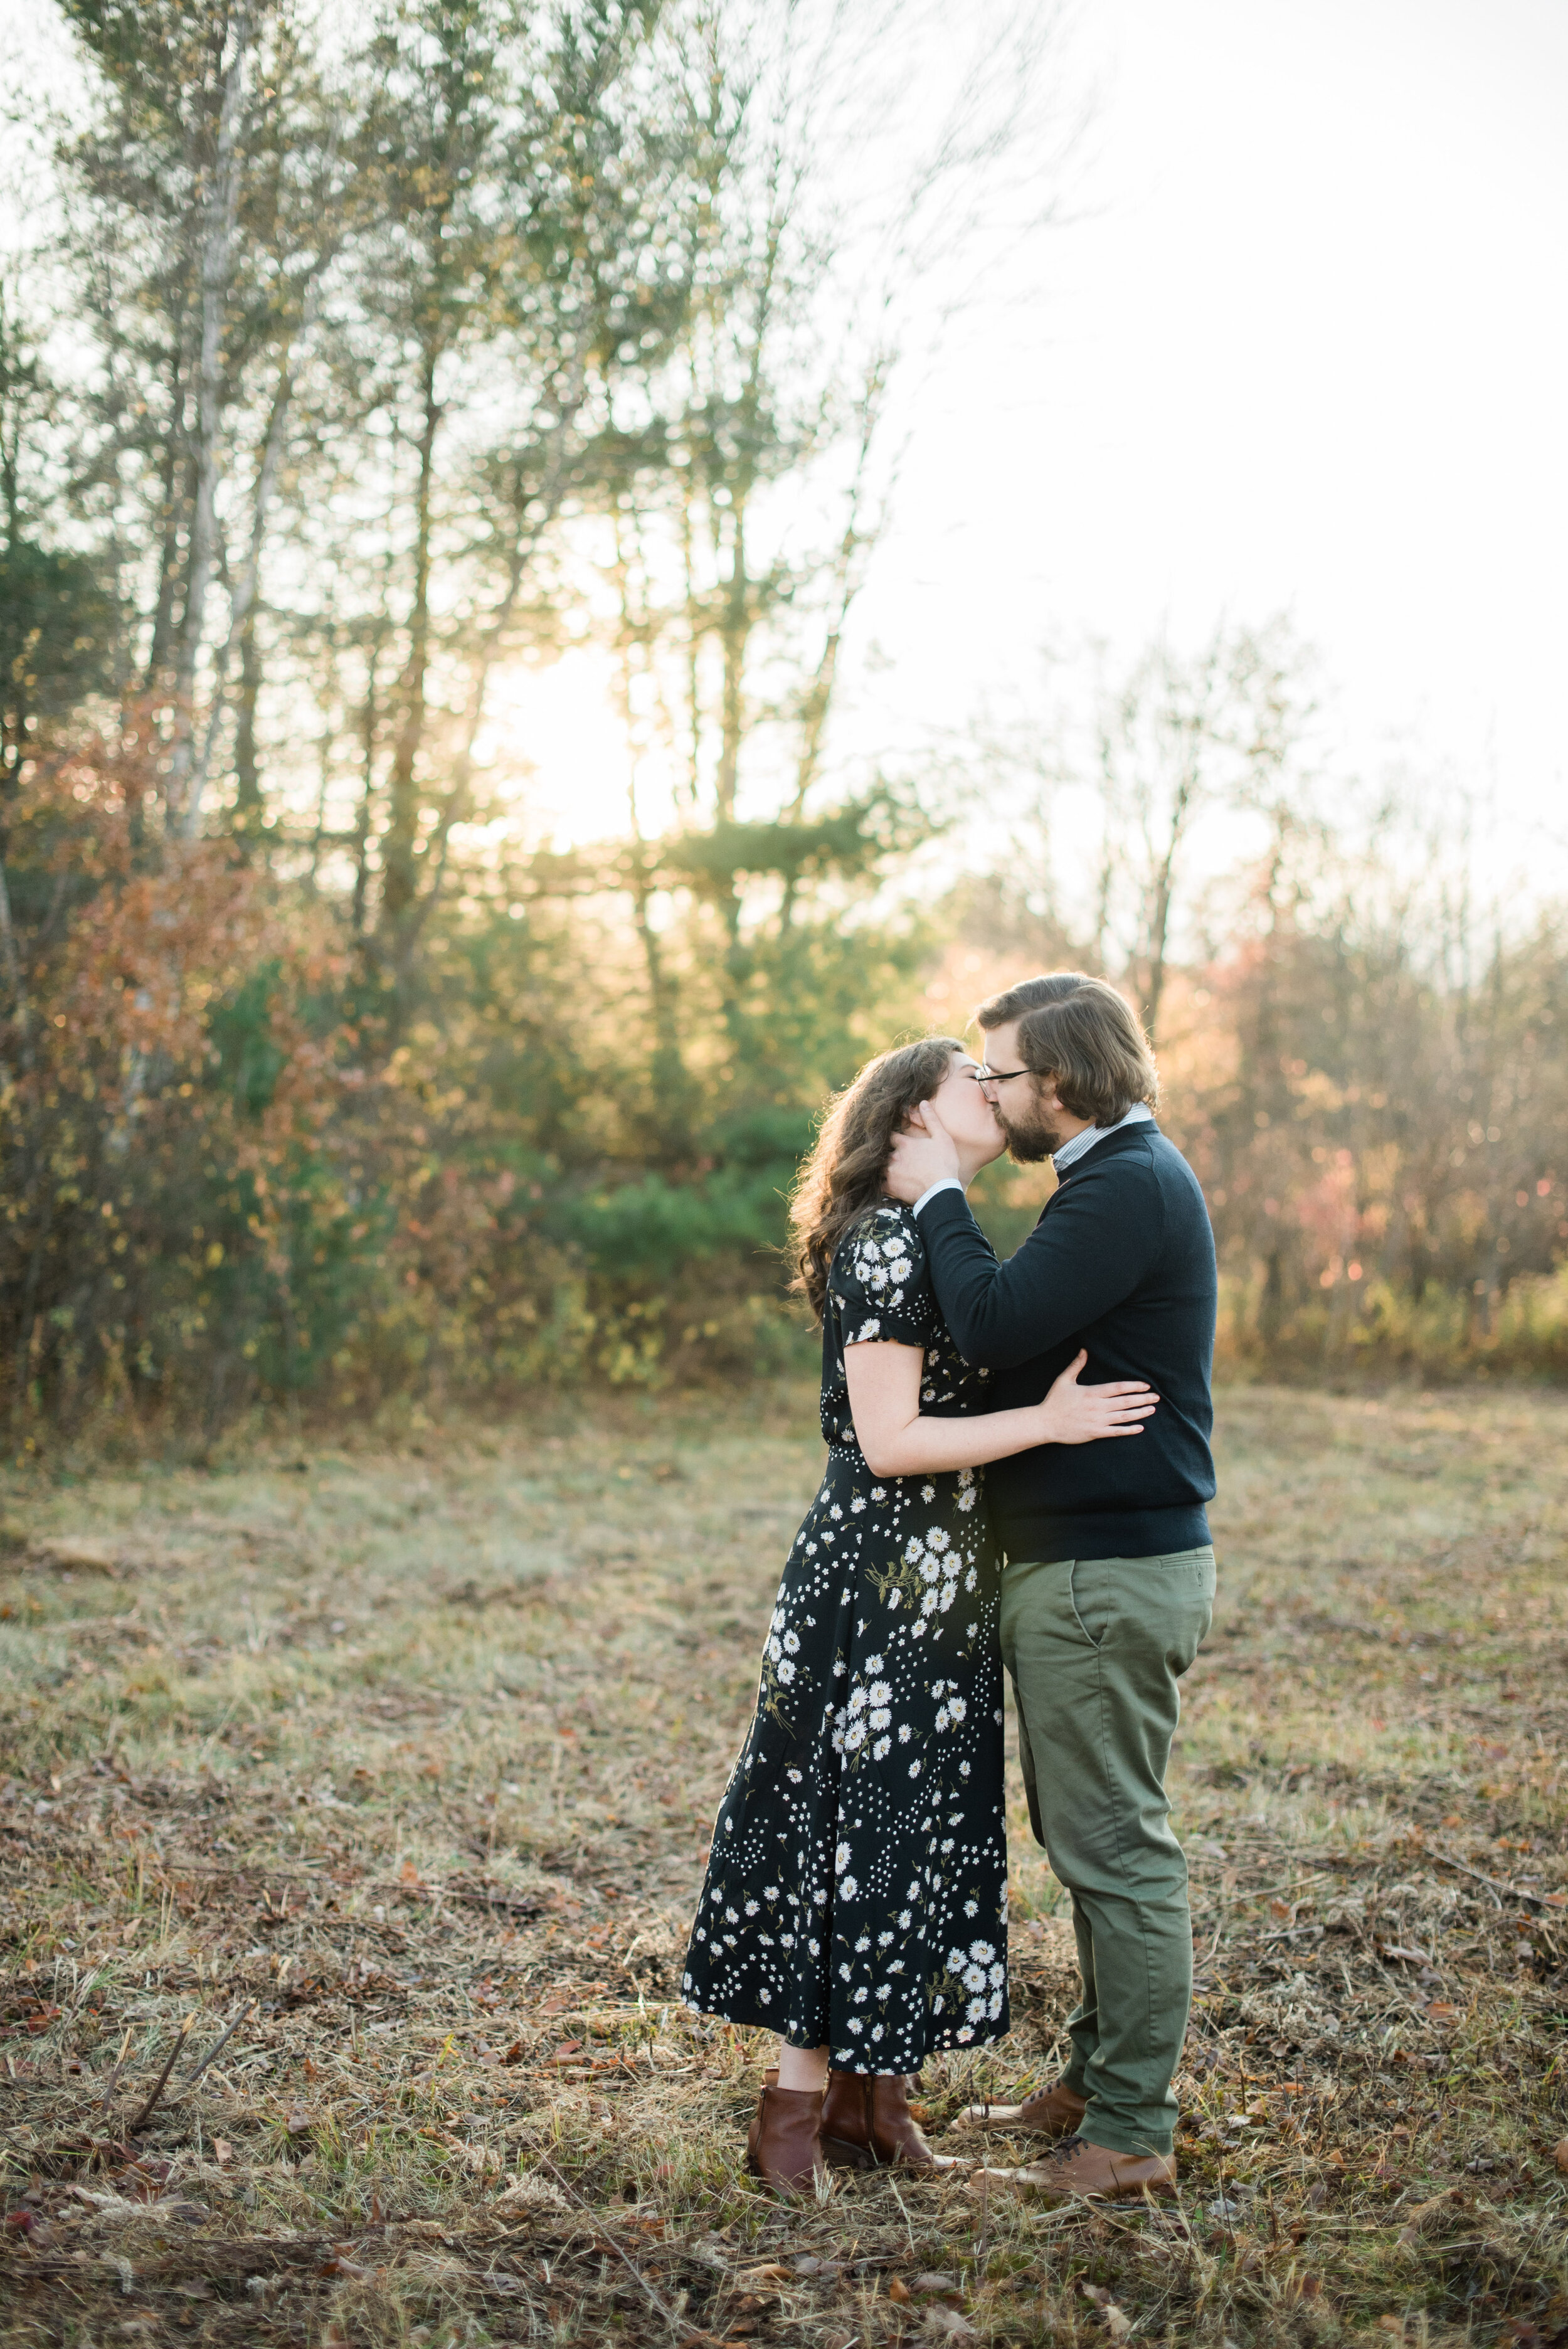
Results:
856 1893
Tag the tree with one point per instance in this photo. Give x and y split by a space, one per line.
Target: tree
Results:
205 202
58 622
739 544
532 209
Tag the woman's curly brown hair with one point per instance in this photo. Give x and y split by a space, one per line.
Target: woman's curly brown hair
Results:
842 1179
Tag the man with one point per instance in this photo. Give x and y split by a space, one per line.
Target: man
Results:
1108 1579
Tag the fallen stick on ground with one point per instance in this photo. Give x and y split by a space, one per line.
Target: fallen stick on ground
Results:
218 2045
145 2114
1492 1883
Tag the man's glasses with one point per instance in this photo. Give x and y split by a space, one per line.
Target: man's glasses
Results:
984 1076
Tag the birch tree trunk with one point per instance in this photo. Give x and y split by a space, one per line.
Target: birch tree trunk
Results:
241 602
400 853
217 274
173 487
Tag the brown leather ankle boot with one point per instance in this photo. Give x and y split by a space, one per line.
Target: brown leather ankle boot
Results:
784 2143
867 2123
1096 2173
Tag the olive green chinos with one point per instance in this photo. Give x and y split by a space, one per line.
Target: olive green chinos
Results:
1095 1647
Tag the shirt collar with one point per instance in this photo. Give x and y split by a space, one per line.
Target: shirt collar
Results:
1081 1144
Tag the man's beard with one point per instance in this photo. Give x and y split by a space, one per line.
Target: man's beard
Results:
1032 1135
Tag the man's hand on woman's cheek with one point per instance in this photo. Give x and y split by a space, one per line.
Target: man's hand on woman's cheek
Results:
920 1159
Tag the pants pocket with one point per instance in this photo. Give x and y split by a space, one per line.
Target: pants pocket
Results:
1159 1606
1089 1595
1194 1614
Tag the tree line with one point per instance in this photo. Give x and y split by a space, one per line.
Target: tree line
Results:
352 374
1365 1057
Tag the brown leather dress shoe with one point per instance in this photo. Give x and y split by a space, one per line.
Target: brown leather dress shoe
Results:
1093 2173
784 2143
867 2124
1055 2111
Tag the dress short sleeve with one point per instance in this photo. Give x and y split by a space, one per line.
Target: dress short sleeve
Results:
878 1281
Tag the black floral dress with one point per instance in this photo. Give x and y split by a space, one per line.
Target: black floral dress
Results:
856 1893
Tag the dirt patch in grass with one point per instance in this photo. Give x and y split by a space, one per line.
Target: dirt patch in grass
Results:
374 1792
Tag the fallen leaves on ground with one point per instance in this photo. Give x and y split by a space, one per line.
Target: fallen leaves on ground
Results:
435 1867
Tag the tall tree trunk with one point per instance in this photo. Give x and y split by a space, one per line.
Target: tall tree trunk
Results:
243 600
174 501
735 631
247 768
1161 893
854 540
669 1118
370 732
11 960
399 853
217 273
667 1111
532 516
13 690
1159 925
818 700
689 787
323 786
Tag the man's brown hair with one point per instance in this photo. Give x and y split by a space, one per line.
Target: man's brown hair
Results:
1080 1033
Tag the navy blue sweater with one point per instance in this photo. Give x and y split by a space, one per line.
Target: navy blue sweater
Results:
1121 1261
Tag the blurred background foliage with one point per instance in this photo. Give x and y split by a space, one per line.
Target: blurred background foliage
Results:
347 387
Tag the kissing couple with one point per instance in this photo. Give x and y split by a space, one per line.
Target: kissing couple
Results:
855 1900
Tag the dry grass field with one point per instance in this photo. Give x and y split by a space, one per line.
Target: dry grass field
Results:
359 1799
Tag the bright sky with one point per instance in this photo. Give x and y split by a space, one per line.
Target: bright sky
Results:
1303 347
1306 346
1309 352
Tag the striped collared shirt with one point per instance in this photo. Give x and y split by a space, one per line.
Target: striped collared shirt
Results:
1081 1144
